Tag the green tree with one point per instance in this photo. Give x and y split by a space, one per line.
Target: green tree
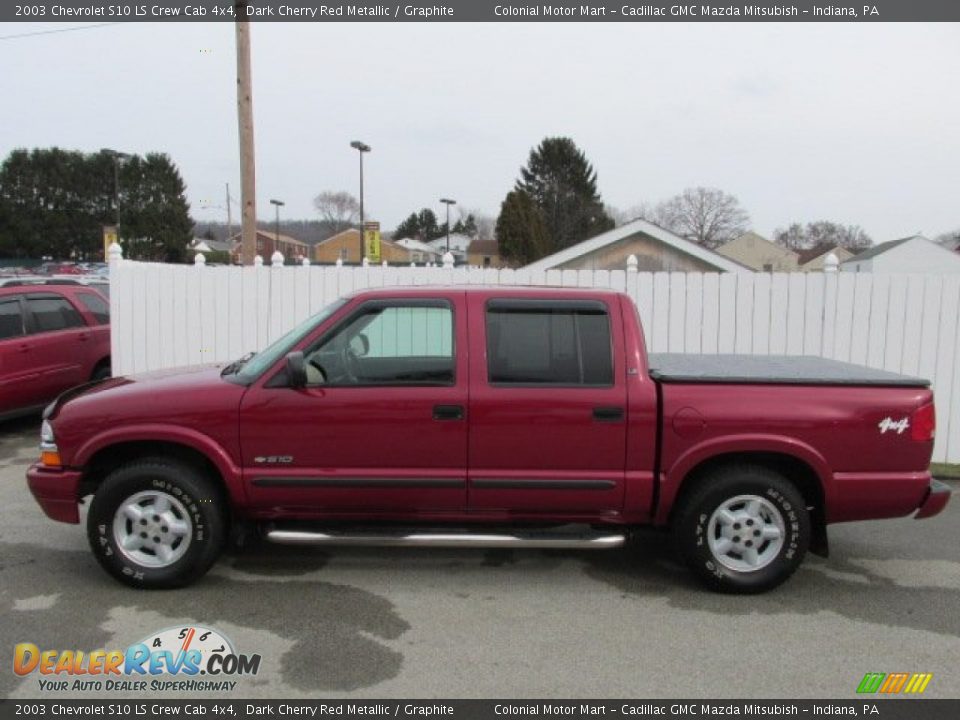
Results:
420 226
563 184
55 202
521 229
155 219
466 226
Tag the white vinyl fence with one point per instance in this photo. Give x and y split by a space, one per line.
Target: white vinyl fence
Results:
170 315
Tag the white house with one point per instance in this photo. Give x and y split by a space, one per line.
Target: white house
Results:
458 246
910 254
420 251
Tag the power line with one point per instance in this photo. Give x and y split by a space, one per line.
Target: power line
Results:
52 32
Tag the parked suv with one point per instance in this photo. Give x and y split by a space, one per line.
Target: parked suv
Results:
52 337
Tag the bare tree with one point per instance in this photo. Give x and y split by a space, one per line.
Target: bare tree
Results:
339 209
950 240
822 233
707 216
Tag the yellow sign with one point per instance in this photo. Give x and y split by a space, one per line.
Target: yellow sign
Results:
371 241
109 238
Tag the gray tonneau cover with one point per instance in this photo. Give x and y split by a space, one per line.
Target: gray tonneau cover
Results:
771 370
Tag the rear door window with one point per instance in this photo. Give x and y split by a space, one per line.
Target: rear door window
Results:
11 319
549 343
50 313
97 306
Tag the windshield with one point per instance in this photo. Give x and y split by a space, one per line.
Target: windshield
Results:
263 360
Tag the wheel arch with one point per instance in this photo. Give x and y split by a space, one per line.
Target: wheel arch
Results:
102 455
804 470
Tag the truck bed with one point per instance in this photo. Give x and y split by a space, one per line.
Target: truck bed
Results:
770 370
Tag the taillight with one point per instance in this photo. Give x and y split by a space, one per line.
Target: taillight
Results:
923 423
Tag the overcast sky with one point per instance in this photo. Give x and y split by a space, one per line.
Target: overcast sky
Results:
852 123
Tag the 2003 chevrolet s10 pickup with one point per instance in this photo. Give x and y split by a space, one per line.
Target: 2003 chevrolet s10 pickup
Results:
491 417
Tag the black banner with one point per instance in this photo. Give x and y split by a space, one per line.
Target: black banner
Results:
104 11
862 707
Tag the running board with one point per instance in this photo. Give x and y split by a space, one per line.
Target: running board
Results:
582 541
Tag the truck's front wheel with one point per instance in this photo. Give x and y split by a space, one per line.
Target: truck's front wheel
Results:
743 529
156 523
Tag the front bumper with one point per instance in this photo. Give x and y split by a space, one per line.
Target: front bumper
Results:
938 495
57 491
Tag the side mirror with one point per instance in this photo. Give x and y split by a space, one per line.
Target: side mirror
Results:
296 370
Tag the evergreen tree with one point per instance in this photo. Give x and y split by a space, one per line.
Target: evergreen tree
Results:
563 184
409 228
55 202
154 214
521 230
420 226
466 226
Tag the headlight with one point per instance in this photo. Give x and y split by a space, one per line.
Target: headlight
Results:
49 452
46 433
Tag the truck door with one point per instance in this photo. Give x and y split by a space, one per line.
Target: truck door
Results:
381 427
547 406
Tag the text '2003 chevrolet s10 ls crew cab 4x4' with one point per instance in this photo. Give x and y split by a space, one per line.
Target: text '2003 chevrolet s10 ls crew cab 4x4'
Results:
490 417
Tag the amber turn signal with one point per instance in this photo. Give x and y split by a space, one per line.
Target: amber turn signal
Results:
50 458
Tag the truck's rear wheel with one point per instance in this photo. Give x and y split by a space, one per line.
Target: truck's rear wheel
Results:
156 523
743 529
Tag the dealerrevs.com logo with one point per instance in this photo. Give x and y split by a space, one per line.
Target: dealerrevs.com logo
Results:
181 652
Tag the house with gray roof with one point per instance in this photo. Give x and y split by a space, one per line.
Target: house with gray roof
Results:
914 254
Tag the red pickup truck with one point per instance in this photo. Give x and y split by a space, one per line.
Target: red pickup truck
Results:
490 417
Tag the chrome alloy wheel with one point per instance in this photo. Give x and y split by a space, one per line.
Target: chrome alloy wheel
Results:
152 528
746 533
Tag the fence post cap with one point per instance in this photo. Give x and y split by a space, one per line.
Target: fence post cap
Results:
339 262
831 262
366 261
412 264
114 253
632 263
257 261
199 259
276 259
385 263
448 259
305 262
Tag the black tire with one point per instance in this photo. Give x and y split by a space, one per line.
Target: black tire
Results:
101 372
195 500
724 572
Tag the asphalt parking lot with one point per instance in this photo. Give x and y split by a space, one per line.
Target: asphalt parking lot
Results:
500 624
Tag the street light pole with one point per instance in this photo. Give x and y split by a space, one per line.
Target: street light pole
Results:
448 202
117 157
362 148
278 204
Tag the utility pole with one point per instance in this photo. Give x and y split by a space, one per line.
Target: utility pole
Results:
248 201
229 216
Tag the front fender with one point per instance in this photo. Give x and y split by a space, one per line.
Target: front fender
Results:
672 477
203 444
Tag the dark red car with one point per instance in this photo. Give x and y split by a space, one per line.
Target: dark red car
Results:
492 417
52 336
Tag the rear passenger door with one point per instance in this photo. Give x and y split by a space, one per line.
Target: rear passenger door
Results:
18 377
58 339
547 406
